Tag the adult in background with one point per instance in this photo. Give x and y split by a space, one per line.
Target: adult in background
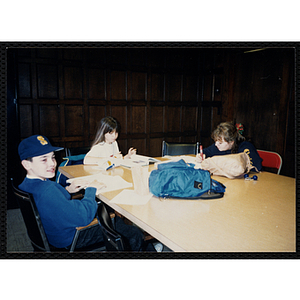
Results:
229 140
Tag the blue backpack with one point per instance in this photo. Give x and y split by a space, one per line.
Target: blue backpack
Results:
180 180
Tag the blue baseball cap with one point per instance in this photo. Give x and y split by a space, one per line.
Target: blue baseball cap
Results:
35 145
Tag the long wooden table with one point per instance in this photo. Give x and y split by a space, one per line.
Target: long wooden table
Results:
253 216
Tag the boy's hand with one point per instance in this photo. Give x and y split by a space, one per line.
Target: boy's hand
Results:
98 185
77 185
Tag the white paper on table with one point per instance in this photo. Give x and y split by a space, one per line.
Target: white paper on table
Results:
129 197
112 183
129 163
137 160
143 157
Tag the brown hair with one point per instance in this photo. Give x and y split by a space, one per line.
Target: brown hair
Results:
107 124
228 131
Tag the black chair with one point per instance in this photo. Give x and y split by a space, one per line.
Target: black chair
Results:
113 240
174 149
77 150
35 229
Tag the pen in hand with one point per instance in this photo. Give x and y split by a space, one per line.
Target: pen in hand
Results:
201 151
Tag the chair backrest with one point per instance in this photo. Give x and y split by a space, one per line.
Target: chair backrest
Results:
34 226
179 148
67 161
113 240
270 159
77 150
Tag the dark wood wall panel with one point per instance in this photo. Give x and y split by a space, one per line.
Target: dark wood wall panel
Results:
95 114
118 85
190 89
156 146
157 87
190 115
206 125
122 115
138 119
138 87
173 116
258 90
73 81
173 94
207 83
74 120
96 84
49 125
47 76
216 116
139 144
156 119
175 88
24 80
26 120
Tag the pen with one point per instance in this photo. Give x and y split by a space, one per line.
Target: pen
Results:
110 165
201 151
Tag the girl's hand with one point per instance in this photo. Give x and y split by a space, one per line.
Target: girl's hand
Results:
131 152
199 158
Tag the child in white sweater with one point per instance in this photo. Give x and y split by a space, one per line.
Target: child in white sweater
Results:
105 144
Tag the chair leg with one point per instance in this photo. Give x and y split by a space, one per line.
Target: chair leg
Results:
74 241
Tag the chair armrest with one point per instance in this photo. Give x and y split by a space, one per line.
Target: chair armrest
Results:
94 222
78 195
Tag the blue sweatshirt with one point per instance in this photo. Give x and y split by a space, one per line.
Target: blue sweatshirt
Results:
60 215
245 146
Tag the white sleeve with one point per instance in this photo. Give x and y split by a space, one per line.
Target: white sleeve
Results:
103 150
97 151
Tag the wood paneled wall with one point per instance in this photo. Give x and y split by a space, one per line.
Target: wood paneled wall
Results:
154 94
264 100
173 94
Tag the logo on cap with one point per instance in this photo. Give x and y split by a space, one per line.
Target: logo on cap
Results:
42 140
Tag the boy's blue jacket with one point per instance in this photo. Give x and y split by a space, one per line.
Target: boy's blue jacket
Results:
60 215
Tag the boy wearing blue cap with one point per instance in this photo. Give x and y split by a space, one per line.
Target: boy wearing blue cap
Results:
60 215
